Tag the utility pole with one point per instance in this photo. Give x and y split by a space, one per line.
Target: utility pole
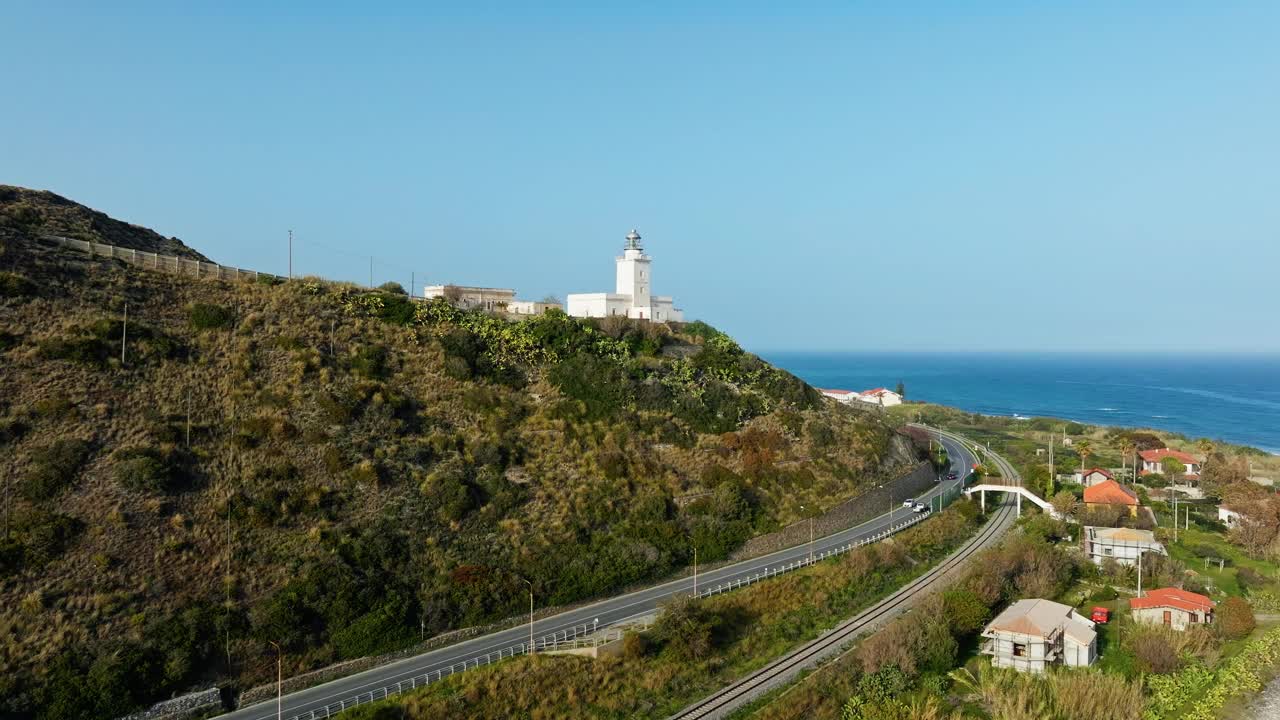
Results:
413 280
1139 573
371 271
1052 478
279 681
124 334
290 254
226 581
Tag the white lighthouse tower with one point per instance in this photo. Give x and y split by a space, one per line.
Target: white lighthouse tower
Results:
634 272
633 296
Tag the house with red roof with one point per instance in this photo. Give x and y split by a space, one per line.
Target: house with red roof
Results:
880 396
1111 493
844 396
1178 609
1152 462
1094 476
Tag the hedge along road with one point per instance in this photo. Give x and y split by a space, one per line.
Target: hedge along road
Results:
604 612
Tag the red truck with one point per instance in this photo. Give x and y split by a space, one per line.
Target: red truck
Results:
1100 615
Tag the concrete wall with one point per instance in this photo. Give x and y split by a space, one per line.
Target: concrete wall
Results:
1178 619
845 515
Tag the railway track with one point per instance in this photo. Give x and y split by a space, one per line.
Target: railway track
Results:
786 668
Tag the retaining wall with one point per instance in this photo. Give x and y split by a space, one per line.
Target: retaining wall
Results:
853 511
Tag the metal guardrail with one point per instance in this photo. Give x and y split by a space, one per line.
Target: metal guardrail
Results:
580 635
816 558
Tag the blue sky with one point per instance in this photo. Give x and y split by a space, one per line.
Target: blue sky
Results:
858 176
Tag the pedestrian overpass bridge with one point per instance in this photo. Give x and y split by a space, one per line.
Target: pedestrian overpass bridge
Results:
1018 491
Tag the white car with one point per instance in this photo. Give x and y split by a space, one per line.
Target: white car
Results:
919 508
908 503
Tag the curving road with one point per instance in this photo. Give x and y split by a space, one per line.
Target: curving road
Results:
788 668
316 699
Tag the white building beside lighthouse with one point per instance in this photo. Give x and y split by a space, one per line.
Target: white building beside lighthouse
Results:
633 296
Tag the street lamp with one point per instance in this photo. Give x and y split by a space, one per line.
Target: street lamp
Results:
810 535
526 582
694 544
279 680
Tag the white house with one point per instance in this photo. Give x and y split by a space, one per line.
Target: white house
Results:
1093 477
1032 634
1153 462
847 397
1172 607
532 307
472 298
880 396
632 296
1123 545
1229 517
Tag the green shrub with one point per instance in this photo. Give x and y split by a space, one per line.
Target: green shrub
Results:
206 316
1248 578
146 470
1234 618
370 361
1106 593
54 467
11 430
42 537
13 285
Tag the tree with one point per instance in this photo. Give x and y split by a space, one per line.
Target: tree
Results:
1085 449
393 287
902 390
453 294
1222 474
1205 446
1064 502
1127 449
1235 618
1173 469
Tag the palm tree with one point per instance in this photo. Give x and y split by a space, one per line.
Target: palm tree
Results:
1085 448
1205 446
1127 448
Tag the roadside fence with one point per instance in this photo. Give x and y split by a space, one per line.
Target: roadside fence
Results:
169 263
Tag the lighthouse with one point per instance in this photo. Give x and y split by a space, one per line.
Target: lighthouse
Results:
633 290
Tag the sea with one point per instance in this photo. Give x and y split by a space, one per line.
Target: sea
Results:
1235 398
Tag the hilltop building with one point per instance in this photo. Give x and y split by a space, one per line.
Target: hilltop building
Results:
488 298
472 298
881 397
847 397
632 296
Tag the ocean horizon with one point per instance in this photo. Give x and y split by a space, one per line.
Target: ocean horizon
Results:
1229 397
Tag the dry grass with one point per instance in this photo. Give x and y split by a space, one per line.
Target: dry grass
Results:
256 397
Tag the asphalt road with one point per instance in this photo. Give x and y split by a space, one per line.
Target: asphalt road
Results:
605 612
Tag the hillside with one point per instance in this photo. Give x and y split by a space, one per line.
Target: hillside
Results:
343 471
25 212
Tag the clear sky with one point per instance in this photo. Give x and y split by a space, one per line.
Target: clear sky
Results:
860 176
